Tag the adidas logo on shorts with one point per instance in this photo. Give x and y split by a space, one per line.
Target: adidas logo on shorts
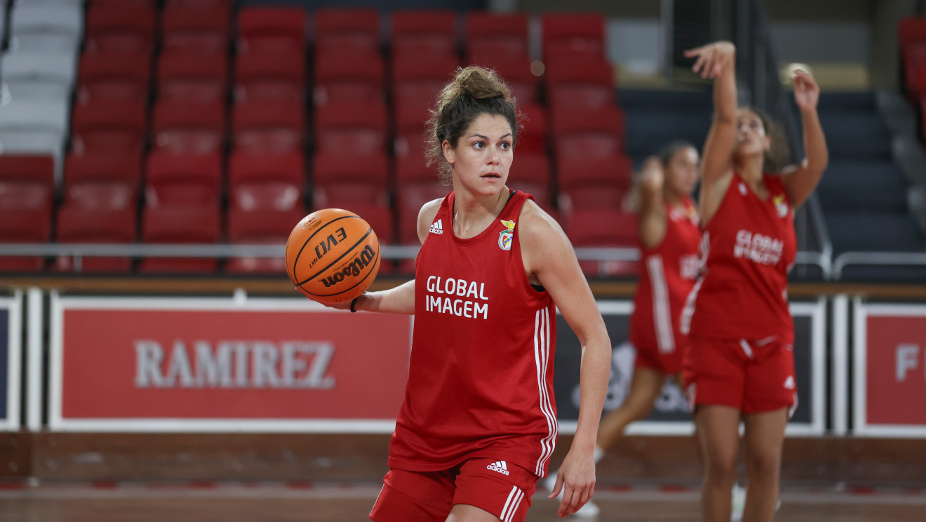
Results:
437 227
500 466
789 383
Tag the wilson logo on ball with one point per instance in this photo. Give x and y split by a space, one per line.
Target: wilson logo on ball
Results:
354 269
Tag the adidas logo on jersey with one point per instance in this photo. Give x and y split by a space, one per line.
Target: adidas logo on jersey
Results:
789 383
500 466
437 227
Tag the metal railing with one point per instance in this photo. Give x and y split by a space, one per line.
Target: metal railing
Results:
78 251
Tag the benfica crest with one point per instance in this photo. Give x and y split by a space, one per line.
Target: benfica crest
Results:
505 236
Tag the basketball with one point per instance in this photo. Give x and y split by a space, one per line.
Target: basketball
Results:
332 255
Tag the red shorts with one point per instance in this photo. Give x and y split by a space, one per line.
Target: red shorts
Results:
649 356
752 376
502 489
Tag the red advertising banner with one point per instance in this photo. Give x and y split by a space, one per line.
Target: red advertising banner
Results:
891 369
206 360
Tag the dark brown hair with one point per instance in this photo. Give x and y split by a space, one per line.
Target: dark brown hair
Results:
472 92
776 158
667 151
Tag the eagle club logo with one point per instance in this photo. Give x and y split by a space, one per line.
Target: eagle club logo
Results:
505 236
781 206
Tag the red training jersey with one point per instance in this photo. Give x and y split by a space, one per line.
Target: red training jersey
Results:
667 273
747 249
480 378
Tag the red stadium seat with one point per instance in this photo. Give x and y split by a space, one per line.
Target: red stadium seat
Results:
411 118
533 135
380 218
272 29
911 30
530 172
411 164
409 198
103 179
496 35
198 4
351 128
121 166
581 84
188 127
27 182
603 228
422 32
347 30
180 225
587 134
120 27
419 79
187 77
517 74
566 36
79 224
339 178
272 182
269 127
914 61
203 30
175 180
260 227
113 77
109 126
593 183
349 76
24 225
265 76
110 5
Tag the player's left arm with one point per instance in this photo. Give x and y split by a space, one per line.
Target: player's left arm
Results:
550 260
801 180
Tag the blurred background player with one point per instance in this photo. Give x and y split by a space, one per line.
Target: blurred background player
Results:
740 363
667 221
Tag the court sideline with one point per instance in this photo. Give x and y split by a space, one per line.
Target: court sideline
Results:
284 502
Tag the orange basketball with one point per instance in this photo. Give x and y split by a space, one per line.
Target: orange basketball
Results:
332 255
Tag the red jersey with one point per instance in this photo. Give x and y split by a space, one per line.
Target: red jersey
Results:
480 378
747 250
667 274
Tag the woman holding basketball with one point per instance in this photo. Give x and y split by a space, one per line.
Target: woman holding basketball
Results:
740 365
478 424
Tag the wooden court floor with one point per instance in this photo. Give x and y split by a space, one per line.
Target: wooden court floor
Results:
268 502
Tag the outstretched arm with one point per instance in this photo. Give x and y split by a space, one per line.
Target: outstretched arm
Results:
549 258
800 181
717 61
401 299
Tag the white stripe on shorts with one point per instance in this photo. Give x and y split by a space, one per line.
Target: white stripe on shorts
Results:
512 504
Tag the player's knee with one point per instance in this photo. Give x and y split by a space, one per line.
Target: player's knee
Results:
765 463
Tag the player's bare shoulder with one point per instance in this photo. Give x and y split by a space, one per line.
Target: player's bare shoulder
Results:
537 226
542 240
426 217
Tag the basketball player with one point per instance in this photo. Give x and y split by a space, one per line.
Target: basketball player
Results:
740 365
478 424
668 228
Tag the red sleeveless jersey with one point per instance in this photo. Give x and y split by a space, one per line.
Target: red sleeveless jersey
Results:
481 372
747 249
667 273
